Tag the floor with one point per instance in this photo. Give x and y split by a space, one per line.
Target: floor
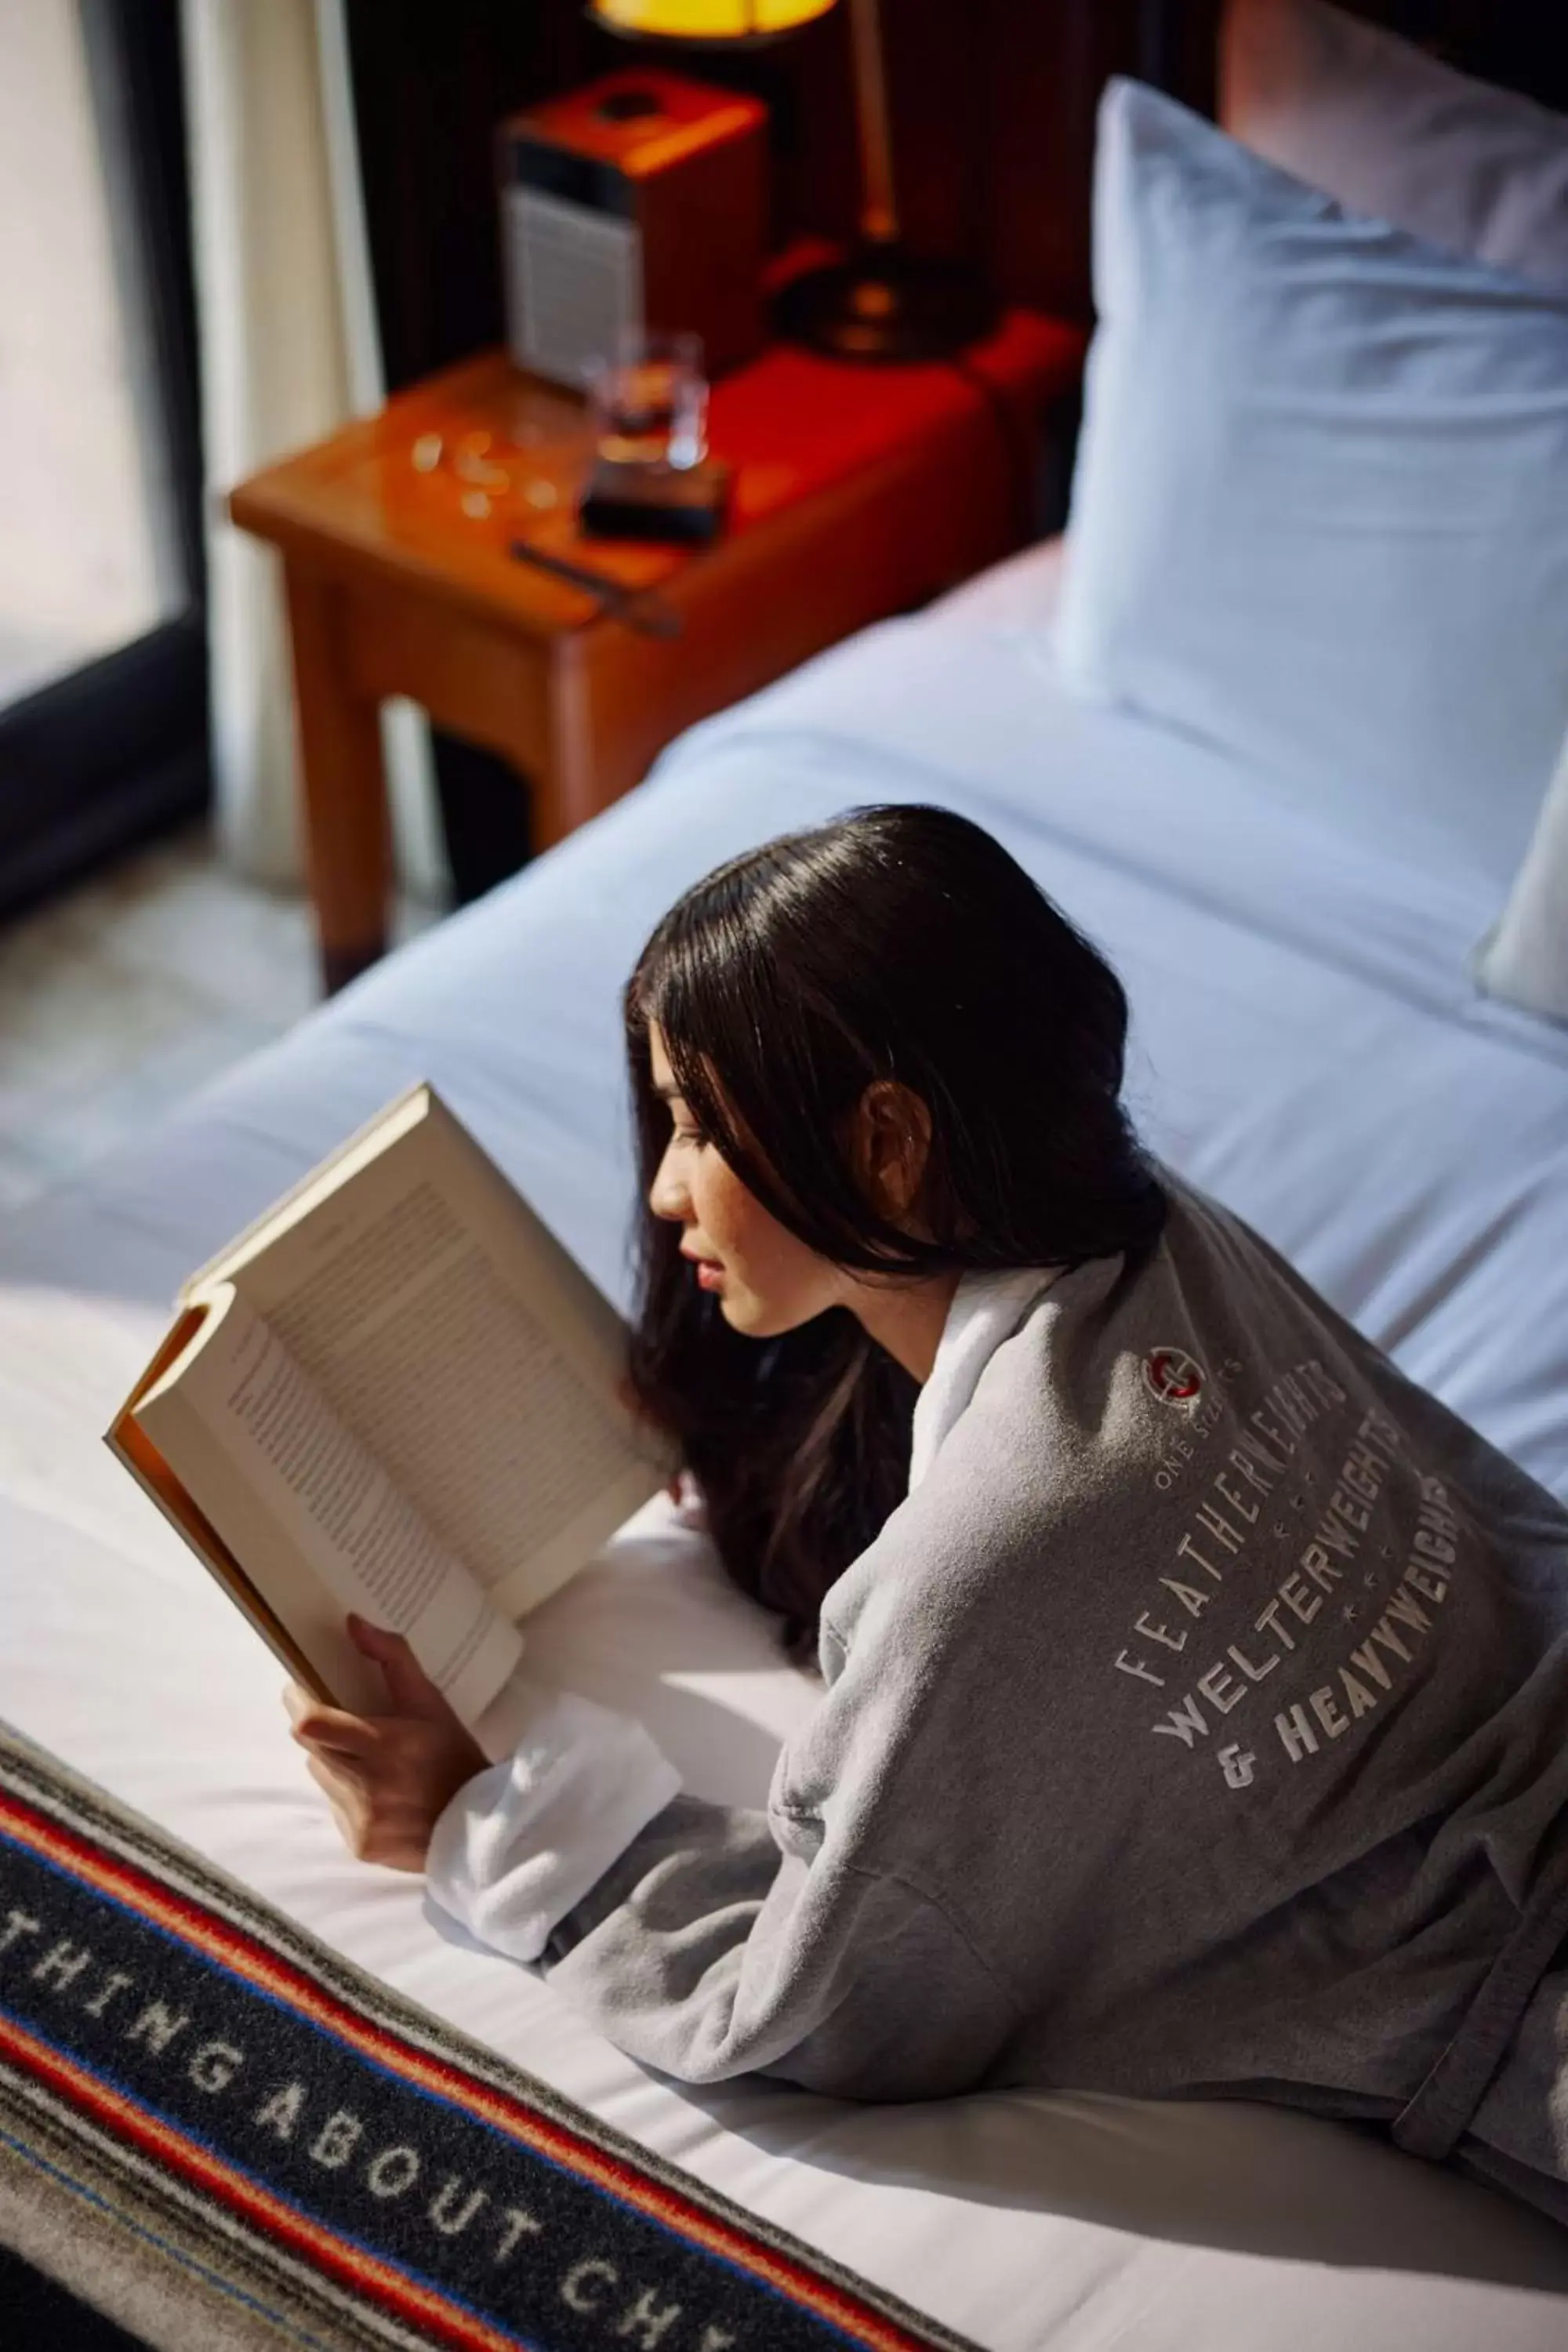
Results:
132 991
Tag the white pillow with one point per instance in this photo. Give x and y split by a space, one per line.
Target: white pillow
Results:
1525 959
1389 131
1320 514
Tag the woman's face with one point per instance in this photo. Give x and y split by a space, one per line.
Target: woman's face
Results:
766 1281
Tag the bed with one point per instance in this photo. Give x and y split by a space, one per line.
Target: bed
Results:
1306 1044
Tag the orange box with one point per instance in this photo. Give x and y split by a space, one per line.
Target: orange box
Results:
638 200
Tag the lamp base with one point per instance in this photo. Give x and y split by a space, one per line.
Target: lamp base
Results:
884 305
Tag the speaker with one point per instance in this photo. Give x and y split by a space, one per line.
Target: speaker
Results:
640 199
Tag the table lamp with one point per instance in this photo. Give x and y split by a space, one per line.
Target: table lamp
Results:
883 303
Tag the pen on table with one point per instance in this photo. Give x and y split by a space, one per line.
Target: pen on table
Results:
638 607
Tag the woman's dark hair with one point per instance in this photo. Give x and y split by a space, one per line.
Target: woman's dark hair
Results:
896 943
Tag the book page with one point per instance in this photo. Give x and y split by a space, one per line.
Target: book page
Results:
312 1518
466 1350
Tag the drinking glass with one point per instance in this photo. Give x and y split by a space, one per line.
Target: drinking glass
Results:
650 401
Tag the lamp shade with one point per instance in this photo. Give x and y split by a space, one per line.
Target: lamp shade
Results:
707 20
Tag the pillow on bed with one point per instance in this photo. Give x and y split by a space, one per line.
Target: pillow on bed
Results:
1389 131
1525 958
1320 514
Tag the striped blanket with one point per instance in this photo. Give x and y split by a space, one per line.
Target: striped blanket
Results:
223 2136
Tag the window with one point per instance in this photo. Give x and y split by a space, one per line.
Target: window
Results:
102 717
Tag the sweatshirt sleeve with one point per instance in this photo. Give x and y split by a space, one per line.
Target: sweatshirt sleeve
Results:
523 1842
725 1942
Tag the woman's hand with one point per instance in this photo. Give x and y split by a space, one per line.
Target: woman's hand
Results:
387 1778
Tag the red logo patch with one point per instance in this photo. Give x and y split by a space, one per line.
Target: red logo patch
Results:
1173 1376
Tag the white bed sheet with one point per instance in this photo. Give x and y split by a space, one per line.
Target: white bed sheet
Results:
1306 1044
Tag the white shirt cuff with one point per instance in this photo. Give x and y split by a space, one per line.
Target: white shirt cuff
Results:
521 1843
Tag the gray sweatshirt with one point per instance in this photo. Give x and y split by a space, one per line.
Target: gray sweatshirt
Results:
1195 1727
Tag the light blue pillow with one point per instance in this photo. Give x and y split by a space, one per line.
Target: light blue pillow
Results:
1320 515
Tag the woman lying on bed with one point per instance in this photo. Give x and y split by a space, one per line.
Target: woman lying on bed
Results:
1195 1686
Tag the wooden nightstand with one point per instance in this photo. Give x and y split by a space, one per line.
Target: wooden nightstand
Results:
858 492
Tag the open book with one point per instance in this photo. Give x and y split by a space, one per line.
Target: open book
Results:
396 1392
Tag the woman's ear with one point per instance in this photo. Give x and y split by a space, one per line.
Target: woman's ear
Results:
890 1146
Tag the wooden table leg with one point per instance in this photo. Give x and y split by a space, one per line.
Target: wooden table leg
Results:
348 833
585 773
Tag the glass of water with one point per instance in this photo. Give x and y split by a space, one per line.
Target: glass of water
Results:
650 401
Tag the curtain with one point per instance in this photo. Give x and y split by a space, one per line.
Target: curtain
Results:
289 351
